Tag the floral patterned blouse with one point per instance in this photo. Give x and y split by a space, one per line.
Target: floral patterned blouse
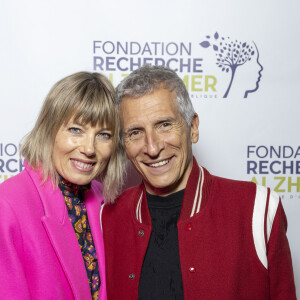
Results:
74 199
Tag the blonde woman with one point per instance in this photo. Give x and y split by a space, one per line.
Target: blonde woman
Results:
50 239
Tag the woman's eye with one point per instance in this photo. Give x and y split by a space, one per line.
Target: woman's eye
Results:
105 135
74 130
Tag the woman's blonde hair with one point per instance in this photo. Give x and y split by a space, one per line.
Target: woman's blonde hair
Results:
89 98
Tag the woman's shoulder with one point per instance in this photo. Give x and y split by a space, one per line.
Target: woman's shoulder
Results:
17 188
97 187
13 184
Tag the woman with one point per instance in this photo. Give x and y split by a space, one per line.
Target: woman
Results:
50 238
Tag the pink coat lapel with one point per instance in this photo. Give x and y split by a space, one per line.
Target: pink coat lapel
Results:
62 237
66 247
93 210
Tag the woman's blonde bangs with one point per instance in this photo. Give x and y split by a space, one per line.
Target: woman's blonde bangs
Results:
92 111
86 98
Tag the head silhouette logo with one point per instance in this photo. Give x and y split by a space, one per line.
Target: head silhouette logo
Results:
233 57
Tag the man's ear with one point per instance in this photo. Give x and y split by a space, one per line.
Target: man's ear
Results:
195 129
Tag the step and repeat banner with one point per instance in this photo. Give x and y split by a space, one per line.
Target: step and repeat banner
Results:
238 59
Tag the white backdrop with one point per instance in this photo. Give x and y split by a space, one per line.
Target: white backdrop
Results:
252 138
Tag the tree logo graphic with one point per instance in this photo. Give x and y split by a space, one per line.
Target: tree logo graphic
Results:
231 54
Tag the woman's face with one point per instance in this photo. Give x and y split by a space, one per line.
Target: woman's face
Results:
81 152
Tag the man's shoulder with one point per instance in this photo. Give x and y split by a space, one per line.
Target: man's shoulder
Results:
219 183
233 191
132 191
124 201
233 184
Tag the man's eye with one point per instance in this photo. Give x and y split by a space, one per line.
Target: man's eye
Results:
134 134
166 124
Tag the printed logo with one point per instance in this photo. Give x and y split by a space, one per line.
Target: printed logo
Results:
233 54
10 163
232 69
275 166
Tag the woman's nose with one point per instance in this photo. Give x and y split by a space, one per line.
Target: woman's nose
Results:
88 146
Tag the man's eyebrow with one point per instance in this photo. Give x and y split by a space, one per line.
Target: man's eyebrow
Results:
131 128
158 121
165 119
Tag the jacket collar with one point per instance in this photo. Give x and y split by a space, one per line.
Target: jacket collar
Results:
194 199
61 234
93 206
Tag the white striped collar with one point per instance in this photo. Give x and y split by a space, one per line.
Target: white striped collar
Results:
264 211
196 203
138 209
198 199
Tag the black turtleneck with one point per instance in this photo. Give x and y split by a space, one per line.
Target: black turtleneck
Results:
161 274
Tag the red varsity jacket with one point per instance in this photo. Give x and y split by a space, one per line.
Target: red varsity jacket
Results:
232 241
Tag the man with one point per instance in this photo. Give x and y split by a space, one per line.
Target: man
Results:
184 233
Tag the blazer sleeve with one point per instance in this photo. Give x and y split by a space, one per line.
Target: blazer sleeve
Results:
281 275
12 275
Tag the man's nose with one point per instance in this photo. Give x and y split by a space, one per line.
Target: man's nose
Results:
153 144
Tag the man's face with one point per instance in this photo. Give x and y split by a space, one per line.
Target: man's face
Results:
158 141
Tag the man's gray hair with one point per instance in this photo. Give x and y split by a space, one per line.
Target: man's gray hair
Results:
147 78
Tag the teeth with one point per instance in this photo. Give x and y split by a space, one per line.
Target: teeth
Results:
159 164
81 164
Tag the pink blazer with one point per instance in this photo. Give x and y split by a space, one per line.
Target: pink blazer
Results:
39 253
